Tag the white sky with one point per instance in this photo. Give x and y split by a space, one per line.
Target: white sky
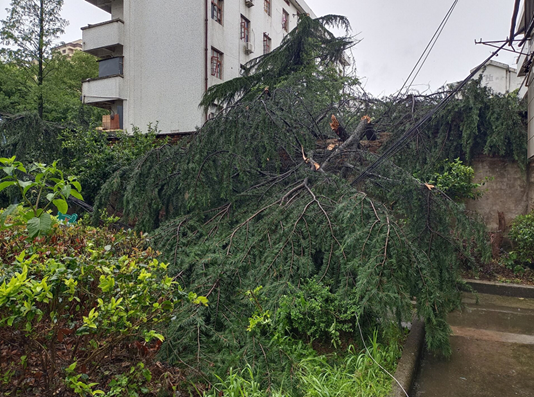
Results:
393 32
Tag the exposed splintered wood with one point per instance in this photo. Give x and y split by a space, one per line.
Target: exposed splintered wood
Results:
339 129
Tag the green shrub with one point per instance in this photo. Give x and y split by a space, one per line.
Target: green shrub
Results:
456 181
522 237
39 186
93 157
315 313
77 305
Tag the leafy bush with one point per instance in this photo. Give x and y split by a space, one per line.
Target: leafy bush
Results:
522 236
39 182
91 155
456 180
316 313
83 311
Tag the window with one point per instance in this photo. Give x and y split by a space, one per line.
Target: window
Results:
216 63
267 7
287 2
266 43
216 10
285 20
245 29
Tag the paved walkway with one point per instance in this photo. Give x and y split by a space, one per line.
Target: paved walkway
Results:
493 352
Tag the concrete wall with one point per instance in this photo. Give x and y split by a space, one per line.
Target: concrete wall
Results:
163 64
508 192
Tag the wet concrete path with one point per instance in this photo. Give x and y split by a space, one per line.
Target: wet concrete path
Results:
493 352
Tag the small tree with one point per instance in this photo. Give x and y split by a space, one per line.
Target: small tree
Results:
29 30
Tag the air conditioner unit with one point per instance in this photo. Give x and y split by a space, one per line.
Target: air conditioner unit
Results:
249 48
249 3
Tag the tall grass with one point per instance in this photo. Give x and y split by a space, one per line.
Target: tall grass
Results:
354 374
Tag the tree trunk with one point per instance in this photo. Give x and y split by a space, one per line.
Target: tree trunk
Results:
40 104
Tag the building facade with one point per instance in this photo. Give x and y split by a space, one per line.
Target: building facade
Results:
523 30
68 49
501 78
158 57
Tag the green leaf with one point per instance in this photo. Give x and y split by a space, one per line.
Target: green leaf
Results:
61 205
25 185
8 211
4 185
9 170
74 193
71 367
41 225
76 185
65 191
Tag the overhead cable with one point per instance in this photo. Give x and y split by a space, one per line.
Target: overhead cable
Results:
408 135
426 52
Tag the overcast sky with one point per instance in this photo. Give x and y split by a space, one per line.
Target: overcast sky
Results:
393 35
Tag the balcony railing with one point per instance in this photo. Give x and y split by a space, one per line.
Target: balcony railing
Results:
104 39
110 67
103 91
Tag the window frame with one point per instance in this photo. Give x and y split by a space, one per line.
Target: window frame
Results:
267 6
216 63
245 29
217 10
267 42
285 20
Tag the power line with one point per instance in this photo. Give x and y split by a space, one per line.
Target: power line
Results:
424 55
405 138
428 48
439 31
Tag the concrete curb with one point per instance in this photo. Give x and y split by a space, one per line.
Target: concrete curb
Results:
493 288
411 355
409 362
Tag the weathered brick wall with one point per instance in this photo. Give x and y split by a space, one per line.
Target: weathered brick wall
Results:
508 192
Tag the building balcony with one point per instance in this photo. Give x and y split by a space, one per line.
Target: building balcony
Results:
103 4
103 91
104 39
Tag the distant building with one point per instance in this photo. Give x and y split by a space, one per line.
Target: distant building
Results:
68 49
159 57
501 78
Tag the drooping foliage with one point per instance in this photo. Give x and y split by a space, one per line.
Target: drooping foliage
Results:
90 153
30 138
310 50
260 198
475 122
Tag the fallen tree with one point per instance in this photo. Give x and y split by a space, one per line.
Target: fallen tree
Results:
263 197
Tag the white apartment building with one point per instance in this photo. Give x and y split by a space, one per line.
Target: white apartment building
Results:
501 78
158 57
